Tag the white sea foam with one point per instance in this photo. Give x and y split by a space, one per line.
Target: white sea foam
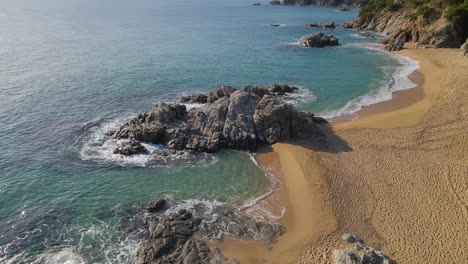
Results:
99 147
301 96
203 208
399 80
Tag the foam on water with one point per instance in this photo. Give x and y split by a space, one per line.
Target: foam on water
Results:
398 79
100 148
301 96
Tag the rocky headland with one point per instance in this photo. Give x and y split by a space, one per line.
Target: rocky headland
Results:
230 118
429 23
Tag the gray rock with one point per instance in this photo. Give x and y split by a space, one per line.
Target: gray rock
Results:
195 99
330 25
464 48
232 118
131 148
318 40
395 45
156 206
180 237
358 254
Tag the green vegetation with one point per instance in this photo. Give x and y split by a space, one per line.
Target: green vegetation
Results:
457 11
423 11
376 6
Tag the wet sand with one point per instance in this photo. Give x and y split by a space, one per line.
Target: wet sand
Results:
396 177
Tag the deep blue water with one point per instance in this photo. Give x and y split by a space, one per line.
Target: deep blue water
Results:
72 69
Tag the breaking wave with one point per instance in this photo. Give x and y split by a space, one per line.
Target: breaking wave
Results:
397 79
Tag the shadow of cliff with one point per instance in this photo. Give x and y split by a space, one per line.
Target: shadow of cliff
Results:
324 139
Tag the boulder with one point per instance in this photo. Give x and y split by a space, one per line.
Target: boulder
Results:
131 148
395 45
318 40
195 99
275 2
464 48
357 253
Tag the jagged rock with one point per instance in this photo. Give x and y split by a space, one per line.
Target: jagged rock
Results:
275 2
180 237
358 253
195 99
156 206
331 25
318 40
232 118
131 148
367 35
395 45
464 48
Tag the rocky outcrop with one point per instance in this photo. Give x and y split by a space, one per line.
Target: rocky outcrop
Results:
427 24
330 25
232 118
195 99
464 48
318 40
180 237
357 253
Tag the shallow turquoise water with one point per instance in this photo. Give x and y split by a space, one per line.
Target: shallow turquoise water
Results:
69 70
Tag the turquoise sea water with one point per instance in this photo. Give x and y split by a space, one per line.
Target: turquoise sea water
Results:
70 70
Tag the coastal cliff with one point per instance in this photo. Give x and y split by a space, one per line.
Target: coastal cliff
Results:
356 3
429 23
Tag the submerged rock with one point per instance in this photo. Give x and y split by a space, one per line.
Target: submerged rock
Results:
180 237
232 118
318 40
331 25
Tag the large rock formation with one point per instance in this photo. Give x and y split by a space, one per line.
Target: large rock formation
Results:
180 237
430 23
232 118
318 40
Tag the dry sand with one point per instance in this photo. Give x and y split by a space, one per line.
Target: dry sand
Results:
398 179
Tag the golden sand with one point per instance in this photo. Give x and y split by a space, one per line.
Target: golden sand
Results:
398 178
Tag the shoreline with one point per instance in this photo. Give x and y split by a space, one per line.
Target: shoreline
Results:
324 201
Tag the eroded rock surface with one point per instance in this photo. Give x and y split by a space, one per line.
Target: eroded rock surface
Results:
318 40
231 118
180 237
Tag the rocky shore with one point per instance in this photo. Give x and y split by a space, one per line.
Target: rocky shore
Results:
356 3
230 118
429 23
181 237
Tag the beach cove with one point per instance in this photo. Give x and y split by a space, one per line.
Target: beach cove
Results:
396 179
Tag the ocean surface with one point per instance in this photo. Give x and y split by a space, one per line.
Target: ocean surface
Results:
70 70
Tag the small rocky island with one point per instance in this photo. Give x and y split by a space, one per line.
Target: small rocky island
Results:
230 118
318 40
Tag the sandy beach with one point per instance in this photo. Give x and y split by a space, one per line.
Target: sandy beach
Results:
397 176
